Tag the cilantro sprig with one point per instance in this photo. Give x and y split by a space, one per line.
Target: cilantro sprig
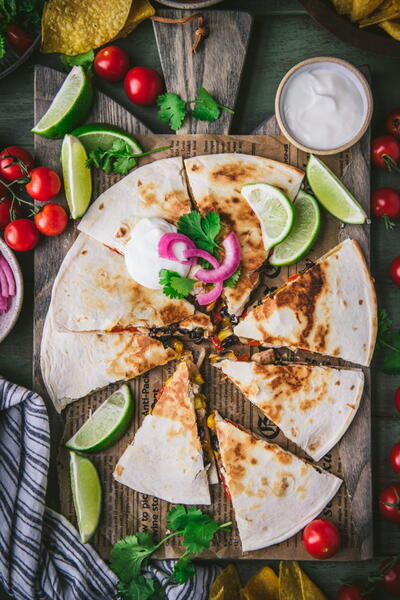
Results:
202 230
131 554
389 341
175 285
84 60
118 159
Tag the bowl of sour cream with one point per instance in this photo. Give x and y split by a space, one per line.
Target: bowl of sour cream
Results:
323 105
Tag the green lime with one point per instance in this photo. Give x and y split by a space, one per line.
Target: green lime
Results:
274 210
77 176
106 425
86 493
101 135
303 234
70 106
332 194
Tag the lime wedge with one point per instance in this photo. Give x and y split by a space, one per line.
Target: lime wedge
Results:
70 106
106 425
274 210
303 234
101 135
332 194
77 176
86 493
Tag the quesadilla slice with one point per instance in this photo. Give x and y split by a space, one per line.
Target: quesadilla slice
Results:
313 406
166 458
274 493
215 181
157 189
329 309
75 364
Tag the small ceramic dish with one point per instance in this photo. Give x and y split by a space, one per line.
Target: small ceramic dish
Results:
8 319
12 61
356 78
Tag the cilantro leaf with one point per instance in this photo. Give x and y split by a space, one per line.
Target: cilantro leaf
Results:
123 164
84 60
206 108
141 588
198 535
174 285
389 341
179 516
172 110
118 158
183 569
232 281
129 555
201 230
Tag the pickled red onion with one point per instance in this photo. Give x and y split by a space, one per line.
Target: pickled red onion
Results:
196 252
167 242
207 297
228 266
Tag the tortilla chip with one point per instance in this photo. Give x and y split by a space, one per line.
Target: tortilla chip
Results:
140 10
294 584
308 588
74 27
363 8
392 28
227 585
343 7
389 9
264 585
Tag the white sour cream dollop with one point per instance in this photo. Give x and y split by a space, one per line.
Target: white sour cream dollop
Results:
141 253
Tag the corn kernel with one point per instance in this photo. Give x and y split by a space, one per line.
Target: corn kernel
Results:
177 345
224 333
200 401
211 421
198 379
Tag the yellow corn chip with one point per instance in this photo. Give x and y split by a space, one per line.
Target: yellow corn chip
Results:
264 585
294 584
74 27
308 588
227 585
363 8
389 9
140 10
392 28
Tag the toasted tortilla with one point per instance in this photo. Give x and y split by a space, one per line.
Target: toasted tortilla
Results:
165 458
329 309
274 493
313 406
157 189
215 182
75 364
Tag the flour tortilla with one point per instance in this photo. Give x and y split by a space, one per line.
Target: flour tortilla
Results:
274 493
75 364
312 405
93 291
157 189
215 182
330 309
165 458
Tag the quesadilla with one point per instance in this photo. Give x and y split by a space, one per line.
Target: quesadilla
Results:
329 309
74 364
157 189
274 493
166 458
215 181
313 406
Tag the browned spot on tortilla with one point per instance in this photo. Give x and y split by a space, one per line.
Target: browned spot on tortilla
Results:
303 470
101 206
337 382
314 446
264 481
353 406
320 336
195 167
272 410
119 469
139 183
121 231
360 302
254 461
172 313
136 354
83 251
294 432
301 491
336 351
352 387
231 172
236 200
280 486
284 457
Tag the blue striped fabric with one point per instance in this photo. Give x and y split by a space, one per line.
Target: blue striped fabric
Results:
41 555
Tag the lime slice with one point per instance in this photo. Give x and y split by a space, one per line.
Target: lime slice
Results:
77 176
70 106
86 493
332 194
274 210
303 234
106 425
101 135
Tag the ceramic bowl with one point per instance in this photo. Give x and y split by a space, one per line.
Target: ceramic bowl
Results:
8 319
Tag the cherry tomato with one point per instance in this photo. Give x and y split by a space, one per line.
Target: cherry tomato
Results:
394 270
386 152
21 235
397 399
52 219
44 184
111 63
5 209
392 123
13 171
143 86
350 592
385 203
391 579
389 503
394 457
19 39
321 539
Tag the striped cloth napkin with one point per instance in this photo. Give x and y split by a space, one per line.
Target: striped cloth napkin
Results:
41 555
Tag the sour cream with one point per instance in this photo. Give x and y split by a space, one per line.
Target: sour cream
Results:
141 253
323 106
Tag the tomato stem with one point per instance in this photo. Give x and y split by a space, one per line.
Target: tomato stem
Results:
389 225
390 164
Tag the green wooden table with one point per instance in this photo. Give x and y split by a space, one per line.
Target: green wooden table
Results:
281 38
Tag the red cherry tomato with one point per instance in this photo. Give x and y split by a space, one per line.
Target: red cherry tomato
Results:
5 211
397 399
389 503
19 39
52 219
13 171
321 539
111 63
386 152
350 592
385 202
143 86
44 184
394 457
394 270
391 579
21 235
392 123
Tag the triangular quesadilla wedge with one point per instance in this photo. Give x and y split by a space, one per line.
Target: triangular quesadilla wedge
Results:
274 493
166 457
157 189
312 405
329 309
215 181
75 364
